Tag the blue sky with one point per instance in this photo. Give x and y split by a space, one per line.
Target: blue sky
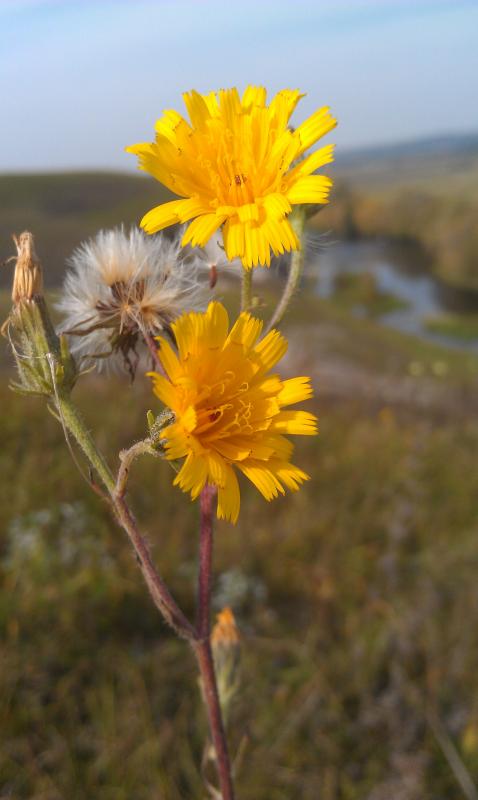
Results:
81 79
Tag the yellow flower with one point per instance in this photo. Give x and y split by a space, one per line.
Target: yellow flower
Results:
232 166
228 409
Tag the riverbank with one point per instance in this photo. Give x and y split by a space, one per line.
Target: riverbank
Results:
376 280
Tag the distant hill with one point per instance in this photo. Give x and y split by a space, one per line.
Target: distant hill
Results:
421 164
454 144
63 209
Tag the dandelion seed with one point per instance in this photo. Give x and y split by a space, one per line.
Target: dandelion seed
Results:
237 164
123 288
228 409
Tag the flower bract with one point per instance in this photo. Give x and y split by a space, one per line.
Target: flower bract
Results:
237 164
229 408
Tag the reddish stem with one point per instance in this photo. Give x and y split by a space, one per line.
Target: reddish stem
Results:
207 503
202 646
160 593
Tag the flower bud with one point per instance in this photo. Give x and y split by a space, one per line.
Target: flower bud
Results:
226 653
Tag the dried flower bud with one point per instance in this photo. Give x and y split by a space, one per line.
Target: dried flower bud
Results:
27 281
45 365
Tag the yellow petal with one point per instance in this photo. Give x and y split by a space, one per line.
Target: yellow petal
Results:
291 476
270 350
177 444
169 123
313 128
254 96
310 189
280 235
189 419
245 331
216 327
164 390
217 472
187 332
232 449
197 108
276 205
263 479
201 229
296 422
192 475
248 212
322 156
229 498
161 216
294 390
159 162
233 234
283 104
256 245
169 360
230 106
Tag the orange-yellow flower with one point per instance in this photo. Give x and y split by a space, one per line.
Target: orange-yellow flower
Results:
229 410
231 164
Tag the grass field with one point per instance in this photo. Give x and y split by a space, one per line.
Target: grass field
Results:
356 598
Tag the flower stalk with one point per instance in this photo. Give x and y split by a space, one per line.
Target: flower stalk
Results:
298 219
246 290
202 646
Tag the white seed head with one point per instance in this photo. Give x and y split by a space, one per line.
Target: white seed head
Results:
122 287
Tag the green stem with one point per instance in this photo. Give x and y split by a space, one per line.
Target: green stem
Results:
246 290
75 425
296 266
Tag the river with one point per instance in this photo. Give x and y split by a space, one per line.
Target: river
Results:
396 271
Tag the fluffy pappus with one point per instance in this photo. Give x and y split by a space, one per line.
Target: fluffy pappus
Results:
121 290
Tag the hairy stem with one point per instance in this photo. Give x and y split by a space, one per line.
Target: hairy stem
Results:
127 457
246 290
202 647
296 266
70 416
158 590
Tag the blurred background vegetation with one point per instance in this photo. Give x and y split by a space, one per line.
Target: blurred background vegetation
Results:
356 598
